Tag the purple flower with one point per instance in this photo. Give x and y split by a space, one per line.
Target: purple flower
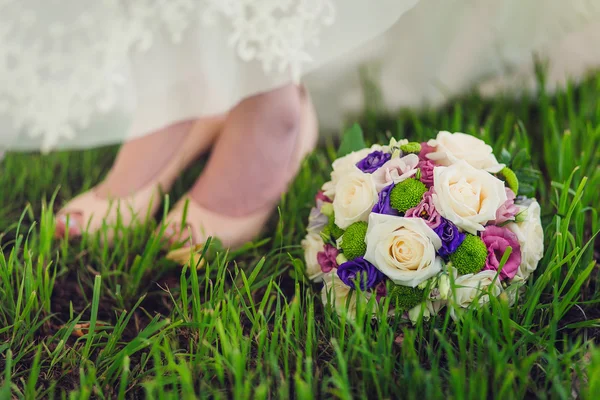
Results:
426 210
360 269
497 240
327 258
508 210
426 167
373 161
383 205
451 237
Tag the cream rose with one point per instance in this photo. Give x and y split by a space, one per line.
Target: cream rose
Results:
355 196
453 147
341 297
531 239
312 244
395 170
345 165
469 287
467 196
404 249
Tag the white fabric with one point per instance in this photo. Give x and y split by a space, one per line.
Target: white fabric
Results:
440 49
76 74
79 73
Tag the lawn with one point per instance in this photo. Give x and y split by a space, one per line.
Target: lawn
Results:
250 325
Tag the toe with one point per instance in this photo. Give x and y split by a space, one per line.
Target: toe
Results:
70 223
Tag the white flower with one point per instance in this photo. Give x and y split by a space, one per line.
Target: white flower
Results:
469 287
444 286
317 220
345 165
428 308
467 196
397 143
395 170
531 239
404 249
415 313
339 295
312 244
453 147
328 187
355 196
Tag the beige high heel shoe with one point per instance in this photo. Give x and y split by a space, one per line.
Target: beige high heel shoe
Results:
233 232
94 211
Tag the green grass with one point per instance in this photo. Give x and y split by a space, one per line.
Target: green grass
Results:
249 325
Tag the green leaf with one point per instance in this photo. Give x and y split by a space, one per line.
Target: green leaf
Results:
528 181
521 160
353 140
505 157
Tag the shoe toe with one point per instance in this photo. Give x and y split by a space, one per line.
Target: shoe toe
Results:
70 223
176 233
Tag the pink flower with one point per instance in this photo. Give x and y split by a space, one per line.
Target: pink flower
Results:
497 240
508 210
327 258
426 210
425 149
380 291
321 196
426 167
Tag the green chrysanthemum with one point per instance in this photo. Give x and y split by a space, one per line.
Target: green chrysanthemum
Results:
510 178
412 147
407 194
470 256
353 242
405 297
331 230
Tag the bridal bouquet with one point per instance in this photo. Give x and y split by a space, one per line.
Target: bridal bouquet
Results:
426 224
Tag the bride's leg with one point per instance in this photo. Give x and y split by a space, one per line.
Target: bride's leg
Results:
249 165
140 164
255 158
140 160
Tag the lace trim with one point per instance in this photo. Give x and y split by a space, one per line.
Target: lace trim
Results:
55 77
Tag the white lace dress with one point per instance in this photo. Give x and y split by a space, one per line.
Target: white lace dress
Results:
79 73
76 74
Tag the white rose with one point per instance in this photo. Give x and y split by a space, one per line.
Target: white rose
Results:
339 295
395 170
467 196
453 147
404 249
469 287
345 165
328 187
531 239
312 244
355 196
